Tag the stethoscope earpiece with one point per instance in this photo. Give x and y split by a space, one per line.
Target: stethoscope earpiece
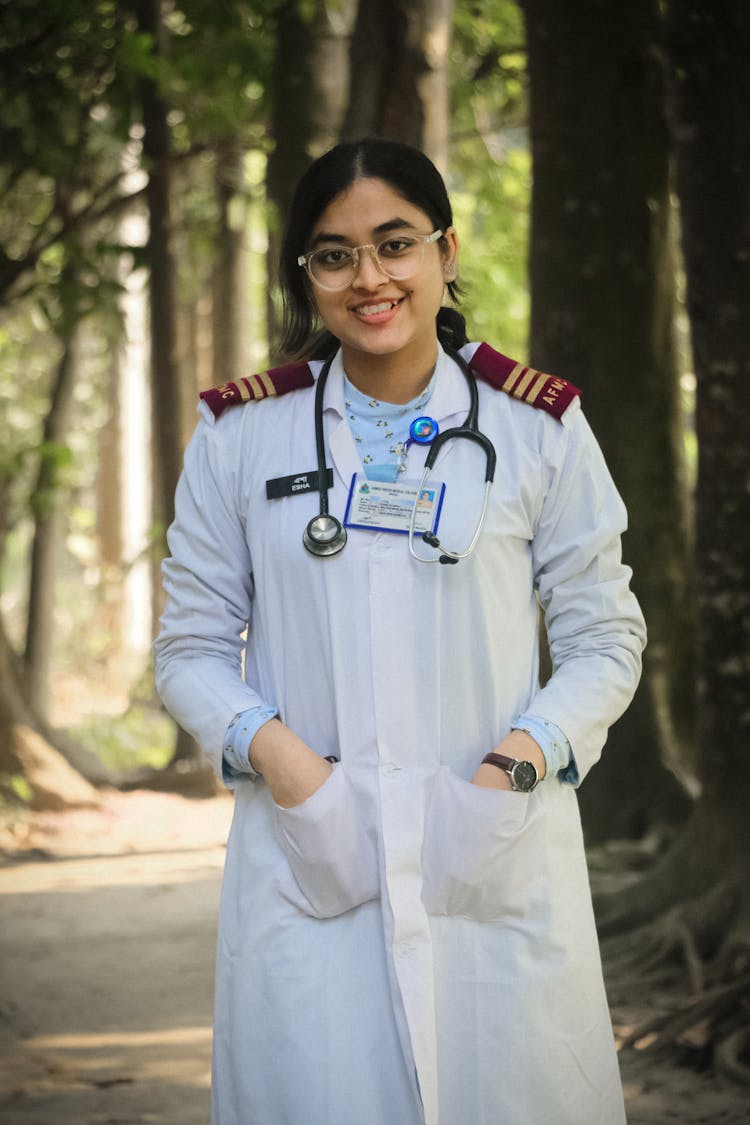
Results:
324 536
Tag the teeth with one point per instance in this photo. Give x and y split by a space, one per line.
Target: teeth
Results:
368 310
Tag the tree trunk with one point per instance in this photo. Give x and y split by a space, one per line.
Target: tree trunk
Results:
399 84
601 274
26 753
229 280
167 388
167 394
49 515
710 100
710 93
310 86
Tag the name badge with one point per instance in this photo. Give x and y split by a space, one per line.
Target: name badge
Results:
375 505
279 487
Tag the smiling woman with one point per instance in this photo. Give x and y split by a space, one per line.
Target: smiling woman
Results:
377 295
406 932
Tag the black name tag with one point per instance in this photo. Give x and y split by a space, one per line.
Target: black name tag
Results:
298 482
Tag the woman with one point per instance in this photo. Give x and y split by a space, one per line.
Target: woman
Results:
406 932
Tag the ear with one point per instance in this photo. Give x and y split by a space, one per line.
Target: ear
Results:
449 245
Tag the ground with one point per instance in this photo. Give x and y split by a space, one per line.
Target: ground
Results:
106 960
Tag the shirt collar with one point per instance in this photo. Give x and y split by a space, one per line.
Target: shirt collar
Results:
450 396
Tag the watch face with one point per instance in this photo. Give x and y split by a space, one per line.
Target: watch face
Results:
524 776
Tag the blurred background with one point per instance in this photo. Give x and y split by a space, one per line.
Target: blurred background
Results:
597 157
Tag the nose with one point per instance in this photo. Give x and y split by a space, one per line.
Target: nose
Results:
368 273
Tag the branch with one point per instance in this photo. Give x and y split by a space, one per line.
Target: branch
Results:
88 215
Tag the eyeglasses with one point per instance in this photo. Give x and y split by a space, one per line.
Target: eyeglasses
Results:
398 257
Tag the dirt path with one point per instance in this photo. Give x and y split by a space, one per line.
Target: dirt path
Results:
106 965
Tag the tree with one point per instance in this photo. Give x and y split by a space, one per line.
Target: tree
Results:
696 902
47 498
398 86
602 292
229 278
309 85
59 186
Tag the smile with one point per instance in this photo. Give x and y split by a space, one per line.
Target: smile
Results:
377 310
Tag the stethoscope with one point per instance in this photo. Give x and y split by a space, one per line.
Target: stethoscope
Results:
325 535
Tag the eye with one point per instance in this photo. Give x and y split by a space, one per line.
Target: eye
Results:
333 258
395 247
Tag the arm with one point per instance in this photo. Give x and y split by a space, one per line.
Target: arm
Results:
198 653
595 627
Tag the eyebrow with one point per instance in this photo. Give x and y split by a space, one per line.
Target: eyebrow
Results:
383 228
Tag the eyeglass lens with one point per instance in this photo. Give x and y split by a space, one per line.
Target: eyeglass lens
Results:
334 267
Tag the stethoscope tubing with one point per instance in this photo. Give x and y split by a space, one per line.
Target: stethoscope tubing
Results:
325 535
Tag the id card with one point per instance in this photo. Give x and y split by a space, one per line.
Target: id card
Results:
376 505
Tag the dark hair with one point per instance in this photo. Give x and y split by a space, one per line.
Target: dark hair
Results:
411 174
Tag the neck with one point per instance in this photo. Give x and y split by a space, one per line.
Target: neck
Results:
389 378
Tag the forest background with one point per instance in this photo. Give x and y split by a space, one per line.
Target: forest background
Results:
597 157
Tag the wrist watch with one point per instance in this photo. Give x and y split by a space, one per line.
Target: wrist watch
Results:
523 775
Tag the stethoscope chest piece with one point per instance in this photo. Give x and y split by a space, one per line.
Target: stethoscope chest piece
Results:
324 536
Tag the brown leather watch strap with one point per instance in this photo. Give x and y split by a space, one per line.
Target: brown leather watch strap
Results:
500 761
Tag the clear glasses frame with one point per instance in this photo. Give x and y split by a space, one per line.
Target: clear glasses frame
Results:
352 253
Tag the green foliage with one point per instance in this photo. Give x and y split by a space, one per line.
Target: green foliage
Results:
14 789
490 170
220 59
140 737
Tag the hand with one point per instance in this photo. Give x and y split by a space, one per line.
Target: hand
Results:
518 745
292 771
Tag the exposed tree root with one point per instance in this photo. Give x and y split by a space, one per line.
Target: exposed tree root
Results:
732 1056
689 943
685 935
712 1009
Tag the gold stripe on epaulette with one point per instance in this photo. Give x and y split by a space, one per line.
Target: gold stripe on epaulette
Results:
267 384
244 389
512 377
542 379
520 390
256 386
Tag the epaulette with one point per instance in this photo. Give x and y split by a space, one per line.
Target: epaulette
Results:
277 381
546 392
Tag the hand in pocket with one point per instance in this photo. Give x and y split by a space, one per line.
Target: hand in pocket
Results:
331 855
478 849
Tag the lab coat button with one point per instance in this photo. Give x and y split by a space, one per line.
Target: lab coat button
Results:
390 769
405 949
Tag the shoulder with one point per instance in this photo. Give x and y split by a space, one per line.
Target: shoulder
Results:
543 391
251 388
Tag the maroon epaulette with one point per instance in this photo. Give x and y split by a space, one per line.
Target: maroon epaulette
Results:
546 392
277 381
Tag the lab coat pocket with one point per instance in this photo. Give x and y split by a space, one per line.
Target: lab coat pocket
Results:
478 850
331 856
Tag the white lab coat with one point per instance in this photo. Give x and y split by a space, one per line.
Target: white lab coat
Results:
404 947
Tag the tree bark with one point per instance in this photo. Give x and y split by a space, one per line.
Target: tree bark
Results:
709 100
167 394
601 275
48 508
229 282
710 103
310 83
165 376
399 83
26 751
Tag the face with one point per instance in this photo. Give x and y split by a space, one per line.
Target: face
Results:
375 315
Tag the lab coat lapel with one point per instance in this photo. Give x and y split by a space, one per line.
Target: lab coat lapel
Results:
449 406
339 440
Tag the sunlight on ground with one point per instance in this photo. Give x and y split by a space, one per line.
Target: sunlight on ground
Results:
145 870
97 1041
